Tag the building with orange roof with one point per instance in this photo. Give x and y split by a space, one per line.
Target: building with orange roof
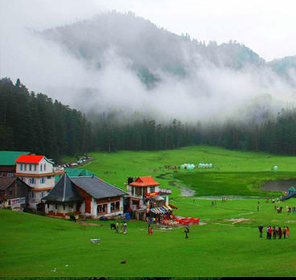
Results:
146 196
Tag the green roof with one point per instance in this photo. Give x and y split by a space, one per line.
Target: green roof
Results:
75 172
9 157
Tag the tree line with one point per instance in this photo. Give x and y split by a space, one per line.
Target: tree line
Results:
36 123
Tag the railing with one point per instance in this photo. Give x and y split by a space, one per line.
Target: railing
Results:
165 191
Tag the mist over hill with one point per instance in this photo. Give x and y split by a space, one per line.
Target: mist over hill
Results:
126 63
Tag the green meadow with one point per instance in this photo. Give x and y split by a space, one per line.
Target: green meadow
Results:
225 244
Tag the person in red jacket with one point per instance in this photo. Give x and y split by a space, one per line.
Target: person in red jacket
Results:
288 232
280 232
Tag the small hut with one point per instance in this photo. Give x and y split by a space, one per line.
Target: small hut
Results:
63 198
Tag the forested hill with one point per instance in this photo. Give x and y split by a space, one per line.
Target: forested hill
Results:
35 123
150 49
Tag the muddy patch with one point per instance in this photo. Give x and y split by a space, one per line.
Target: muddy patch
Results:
279 185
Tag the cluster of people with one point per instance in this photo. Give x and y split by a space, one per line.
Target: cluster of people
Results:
273 232
122 228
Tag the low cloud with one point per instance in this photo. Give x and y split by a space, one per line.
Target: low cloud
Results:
207 93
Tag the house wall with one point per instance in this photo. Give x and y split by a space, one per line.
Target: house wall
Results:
39 176
60 209
108 202
15 195
41 168
36 196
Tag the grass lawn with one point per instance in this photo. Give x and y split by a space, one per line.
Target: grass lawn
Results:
39 246
225 244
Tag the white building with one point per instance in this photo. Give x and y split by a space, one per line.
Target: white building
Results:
36 171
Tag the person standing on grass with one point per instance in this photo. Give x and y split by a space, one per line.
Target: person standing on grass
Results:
186 230
260 230
124 228
280 232
121 227
269 232
288 232
150 230
284 231
117 226
274 232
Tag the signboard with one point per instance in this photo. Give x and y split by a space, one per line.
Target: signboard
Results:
152 194
16 201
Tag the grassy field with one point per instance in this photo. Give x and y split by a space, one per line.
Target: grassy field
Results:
225 244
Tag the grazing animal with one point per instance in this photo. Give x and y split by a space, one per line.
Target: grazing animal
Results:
123 262
112 226
73 219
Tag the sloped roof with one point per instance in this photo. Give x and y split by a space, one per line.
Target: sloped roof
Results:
29 159
75 172
6 182
64 191
9 157
96 187
147 181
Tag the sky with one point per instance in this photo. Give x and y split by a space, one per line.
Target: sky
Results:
266 27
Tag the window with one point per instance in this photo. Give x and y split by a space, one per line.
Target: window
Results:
40 167
32 181
41 195
152 189
112 206
25 167
35 167
32 195
42 181
21 167
10 192
30 167
138 191
44 166
102 208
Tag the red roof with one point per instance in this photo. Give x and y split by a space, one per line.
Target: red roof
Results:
144 182
29 159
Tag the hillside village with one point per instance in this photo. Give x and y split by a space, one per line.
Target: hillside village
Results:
32 183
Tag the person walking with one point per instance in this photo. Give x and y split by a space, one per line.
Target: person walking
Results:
260 230
186 231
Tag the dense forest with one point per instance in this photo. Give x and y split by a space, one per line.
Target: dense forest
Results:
34 122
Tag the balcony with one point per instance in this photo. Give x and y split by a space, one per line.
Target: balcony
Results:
165 191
